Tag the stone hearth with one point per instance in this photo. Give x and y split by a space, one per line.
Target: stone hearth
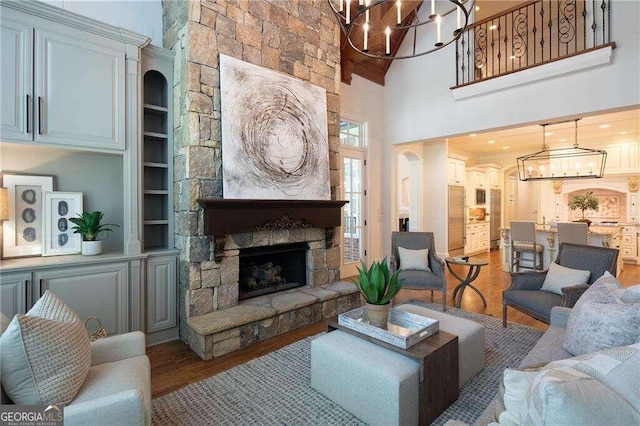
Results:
220 324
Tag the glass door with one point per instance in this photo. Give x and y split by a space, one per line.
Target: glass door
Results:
352 154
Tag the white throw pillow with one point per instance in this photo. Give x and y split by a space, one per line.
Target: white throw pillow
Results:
414 259
516 384
600 320
559 276
44 362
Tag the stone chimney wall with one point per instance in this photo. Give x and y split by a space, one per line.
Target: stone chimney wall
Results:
295 37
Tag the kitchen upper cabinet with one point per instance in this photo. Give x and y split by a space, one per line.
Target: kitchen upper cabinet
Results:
493 178
455 171
622 158
60 85
476 179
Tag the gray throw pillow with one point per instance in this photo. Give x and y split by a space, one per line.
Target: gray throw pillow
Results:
599 321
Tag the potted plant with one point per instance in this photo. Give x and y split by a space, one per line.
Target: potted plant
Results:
378 286
584 202
88 225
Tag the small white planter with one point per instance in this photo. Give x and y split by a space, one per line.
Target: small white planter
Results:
91 248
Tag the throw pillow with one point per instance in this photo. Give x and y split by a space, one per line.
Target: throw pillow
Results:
559 276
414 259
599 321
515 385
629 294
44 361
51 307
596 388
563 396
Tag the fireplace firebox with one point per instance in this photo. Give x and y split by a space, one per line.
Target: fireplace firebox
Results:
270 269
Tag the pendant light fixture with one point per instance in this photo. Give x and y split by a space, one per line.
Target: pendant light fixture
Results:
562 163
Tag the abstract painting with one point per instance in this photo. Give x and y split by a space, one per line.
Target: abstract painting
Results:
58 236
274 135
23 231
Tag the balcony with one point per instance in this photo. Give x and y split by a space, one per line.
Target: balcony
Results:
531 35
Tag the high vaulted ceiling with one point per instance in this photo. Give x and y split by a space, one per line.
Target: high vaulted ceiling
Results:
375 70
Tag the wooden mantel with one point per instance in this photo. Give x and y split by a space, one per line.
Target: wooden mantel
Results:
232 216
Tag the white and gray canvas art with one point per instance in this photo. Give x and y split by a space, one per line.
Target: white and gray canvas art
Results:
274 135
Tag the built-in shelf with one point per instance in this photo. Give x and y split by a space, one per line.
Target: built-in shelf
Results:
155 135
156 155
156 165
155 109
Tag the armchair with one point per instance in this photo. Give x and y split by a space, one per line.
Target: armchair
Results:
525 293
433 280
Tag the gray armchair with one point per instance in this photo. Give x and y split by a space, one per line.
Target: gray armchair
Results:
414 279
525 295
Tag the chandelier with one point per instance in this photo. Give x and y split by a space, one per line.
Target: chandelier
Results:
365 23
564 163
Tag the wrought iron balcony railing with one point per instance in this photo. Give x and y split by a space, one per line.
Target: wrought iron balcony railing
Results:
531 34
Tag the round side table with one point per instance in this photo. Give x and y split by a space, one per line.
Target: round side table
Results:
474 269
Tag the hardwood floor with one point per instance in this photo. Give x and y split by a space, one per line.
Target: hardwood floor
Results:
174 365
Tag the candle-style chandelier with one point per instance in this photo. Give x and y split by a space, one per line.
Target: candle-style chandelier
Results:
563 163
366 23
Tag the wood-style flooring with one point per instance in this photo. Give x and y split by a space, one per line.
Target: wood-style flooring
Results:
174 365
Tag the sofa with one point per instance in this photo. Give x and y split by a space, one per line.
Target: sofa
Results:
117 385
595 383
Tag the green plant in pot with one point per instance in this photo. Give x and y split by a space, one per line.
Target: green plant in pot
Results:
584 202
88 225
379 287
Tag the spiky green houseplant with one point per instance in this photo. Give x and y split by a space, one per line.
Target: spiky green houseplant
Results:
88 225
377 284
584 202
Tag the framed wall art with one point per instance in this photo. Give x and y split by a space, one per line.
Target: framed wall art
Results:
274 135
23 231
58 236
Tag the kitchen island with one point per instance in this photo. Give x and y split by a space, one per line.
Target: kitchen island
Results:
546 235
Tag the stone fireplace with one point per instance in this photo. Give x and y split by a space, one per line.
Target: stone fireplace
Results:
300 39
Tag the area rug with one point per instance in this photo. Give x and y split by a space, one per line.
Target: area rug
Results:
275 389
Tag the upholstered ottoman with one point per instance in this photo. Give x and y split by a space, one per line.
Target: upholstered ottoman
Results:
470 339
374 384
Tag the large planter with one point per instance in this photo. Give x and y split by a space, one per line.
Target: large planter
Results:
378 314
91 248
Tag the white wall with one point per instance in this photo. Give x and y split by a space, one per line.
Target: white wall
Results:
435 192
420 105
140 16
362 101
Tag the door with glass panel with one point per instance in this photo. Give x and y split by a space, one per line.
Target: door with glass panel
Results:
352 158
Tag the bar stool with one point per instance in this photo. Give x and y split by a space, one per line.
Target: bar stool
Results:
572 233
523 240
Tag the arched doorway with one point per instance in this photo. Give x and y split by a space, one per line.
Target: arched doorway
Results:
409 186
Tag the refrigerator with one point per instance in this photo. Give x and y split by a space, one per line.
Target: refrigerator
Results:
495 217
456 224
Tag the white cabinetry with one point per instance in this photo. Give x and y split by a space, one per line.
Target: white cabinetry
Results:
477 238
629 243
100 291
493 177
633 214
13 293
476 179
62 85
455 171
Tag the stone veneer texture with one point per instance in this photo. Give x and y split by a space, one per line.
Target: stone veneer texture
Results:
295 37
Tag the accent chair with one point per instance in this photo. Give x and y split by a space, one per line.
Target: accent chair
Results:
525 292
434 279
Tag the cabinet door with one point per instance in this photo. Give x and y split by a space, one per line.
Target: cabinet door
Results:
80 91
161 293
16 74
100 291
13 293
